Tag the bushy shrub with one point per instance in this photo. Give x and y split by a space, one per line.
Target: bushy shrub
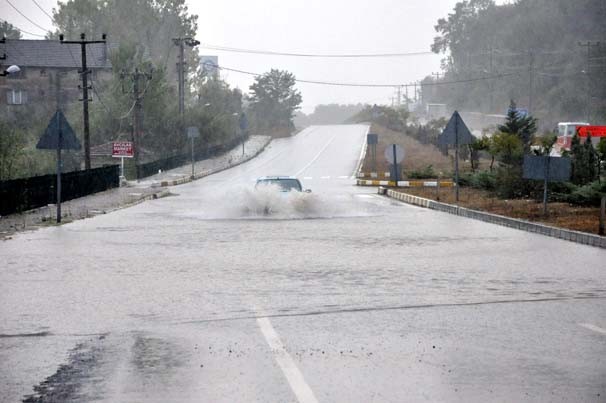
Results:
425 173
588 195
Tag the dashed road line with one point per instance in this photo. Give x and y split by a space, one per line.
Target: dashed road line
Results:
325 177
594 328
294 377
307 178
344 177
316 156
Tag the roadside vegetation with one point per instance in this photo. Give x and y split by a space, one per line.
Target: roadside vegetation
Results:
536 51
491 167
140 37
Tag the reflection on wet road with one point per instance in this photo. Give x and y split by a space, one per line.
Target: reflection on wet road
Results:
370 299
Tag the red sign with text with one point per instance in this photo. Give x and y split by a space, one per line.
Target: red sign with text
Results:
596 131
122 149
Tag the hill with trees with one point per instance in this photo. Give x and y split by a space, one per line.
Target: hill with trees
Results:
548 55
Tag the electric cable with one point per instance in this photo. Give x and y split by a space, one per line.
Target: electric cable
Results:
373 85
43 10
26 17
22 30
275 53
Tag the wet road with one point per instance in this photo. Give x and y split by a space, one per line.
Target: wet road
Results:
338 296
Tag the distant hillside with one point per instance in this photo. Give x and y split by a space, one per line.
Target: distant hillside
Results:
535 50
331 114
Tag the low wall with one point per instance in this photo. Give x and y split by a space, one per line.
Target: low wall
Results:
565 234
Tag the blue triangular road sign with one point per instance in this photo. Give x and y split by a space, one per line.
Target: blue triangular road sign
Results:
456 127
58 134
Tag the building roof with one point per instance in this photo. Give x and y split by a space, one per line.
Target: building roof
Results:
52 53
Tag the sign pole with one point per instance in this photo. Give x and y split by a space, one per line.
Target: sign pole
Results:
602 229
395 164
545 186
192 158
457 161
59 144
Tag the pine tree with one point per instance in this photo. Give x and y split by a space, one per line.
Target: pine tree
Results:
524 127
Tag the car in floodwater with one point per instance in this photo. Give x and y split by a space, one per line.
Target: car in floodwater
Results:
284 183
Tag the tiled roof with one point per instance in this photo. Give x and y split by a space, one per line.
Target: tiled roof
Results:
52 53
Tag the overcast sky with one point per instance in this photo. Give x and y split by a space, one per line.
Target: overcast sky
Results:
307 26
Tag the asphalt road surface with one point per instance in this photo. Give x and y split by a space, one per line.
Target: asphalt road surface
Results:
339 295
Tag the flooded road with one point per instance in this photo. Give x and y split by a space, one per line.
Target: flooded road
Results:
338 295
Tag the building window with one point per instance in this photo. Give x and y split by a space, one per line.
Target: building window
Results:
16 97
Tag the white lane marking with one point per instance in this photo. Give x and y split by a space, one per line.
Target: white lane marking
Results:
344 177
366 196
316 156
325 177
307 178
596 329
294 377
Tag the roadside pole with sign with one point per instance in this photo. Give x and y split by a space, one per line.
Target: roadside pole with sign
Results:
394 154
546 169
58 136
192 133
456 133
122 149
372 140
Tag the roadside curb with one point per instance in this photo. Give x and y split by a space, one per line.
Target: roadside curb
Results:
407 184
374 175
542 229
203 174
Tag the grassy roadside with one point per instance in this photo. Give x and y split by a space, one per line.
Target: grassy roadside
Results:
417 155
562 215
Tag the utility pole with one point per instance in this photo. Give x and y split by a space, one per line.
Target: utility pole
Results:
588 45
181 42
138 110
85 72
399 95
434 88
491 81
530 80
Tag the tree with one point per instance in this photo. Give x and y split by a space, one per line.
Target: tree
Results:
601 151
584 161
8 31
524 127
508 148
12 142
273 101
546 143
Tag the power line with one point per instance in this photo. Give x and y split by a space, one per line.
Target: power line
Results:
43 10
26 17
375 85
22 30
276 53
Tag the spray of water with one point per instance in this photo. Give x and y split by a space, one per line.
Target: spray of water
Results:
268 202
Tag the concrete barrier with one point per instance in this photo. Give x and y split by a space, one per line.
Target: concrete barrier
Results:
542 229
404 184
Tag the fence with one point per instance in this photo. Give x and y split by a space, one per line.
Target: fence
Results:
25 194
200 153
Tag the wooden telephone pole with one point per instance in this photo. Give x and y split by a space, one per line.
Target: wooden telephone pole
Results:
84 73
138 95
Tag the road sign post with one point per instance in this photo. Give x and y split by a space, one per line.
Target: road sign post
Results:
192 133
456 133
394 154
58 136
122 149
602 229
546 169
372 141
